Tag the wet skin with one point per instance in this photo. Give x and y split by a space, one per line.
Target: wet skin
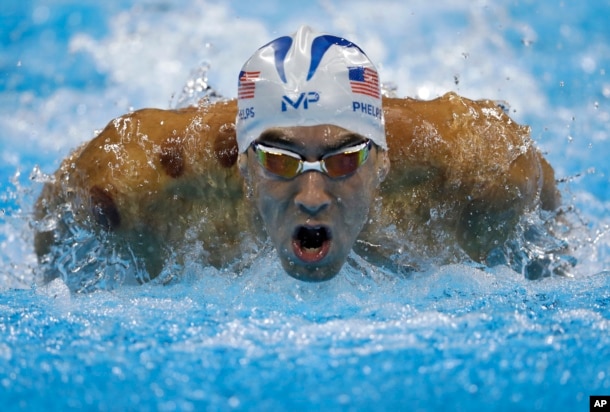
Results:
312 219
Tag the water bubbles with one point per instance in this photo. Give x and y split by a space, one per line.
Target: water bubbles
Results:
41 14
388 89
234 402
197 88
424 92
588 64
39 177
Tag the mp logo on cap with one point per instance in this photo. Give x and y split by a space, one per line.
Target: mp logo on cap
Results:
305 98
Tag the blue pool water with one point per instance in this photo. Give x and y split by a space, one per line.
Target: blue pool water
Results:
453 337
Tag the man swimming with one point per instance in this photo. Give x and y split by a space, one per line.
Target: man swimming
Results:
310 132
301 159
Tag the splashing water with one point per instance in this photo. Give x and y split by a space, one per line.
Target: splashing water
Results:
250 337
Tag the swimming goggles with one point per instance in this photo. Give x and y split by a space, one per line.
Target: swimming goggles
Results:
287 164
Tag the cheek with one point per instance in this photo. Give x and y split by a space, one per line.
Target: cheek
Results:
270 201
356 216
355 202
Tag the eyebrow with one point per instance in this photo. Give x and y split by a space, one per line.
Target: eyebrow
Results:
274 137
278 138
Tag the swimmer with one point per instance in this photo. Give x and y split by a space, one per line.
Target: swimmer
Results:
309 158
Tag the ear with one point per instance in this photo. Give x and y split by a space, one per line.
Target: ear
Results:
244 170
383 164
242 164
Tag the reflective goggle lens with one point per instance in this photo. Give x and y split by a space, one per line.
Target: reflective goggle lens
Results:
345 163
278 163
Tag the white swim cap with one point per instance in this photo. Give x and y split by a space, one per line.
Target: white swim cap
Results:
308 79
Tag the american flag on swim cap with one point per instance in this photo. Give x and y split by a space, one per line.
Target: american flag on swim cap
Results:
247 84
364 80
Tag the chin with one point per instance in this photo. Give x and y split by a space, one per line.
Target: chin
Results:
310 274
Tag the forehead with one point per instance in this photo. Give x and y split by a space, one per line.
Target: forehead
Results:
310 138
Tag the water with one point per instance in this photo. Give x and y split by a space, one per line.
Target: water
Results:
453 337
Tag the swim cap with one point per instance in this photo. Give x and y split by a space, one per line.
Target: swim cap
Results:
309 79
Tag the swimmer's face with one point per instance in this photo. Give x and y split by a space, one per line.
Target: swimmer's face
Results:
313 219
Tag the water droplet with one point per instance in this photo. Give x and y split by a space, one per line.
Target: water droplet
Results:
526 42
234 402
588 64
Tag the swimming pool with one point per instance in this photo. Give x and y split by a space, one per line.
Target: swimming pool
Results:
454 337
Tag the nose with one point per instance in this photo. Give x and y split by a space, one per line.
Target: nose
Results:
312 197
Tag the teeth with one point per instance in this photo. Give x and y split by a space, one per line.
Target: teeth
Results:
310 250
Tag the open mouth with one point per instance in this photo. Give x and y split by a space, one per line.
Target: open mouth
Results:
311 244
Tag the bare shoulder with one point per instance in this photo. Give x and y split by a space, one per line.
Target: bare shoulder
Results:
150 176
462 167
